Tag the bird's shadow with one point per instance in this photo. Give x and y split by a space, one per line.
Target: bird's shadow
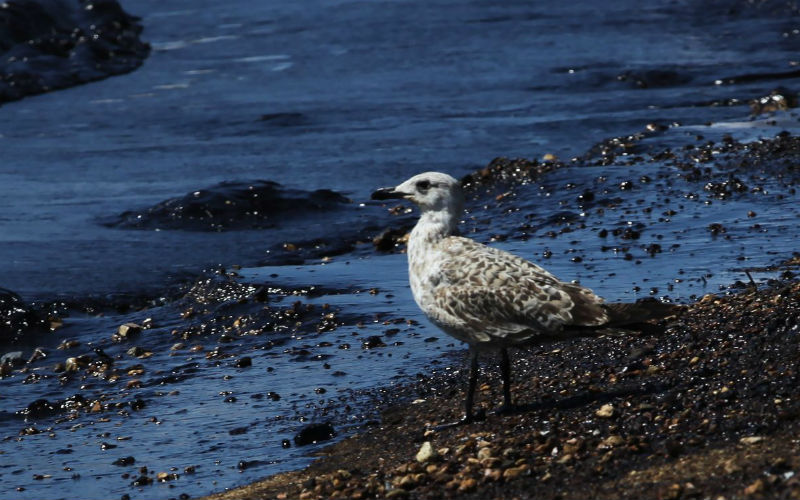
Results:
587 397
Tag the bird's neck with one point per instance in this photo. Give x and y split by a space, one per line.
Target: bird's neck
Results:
432 227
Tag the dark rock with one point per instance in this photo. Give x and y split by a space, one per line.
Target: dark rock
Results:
654 78
17 318
246 464
314 433
53 44
231 205
243 362
780 99
12 358
124 461
142 480
372 342
389 239
40 408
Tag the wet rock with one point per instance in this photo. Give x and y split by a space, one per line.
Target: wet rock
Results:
14 358
135 351
232 205
314 433
390 239
246 464
127 331
17 319
142 480
372 342
243 362
36 355
780 99
40 408
56 44
654 78
504 170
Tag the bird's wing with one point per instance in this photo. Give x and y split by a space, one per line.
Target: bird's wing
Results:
492 291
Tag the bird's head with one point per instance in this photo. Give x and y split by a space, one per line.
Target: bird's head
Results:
431 191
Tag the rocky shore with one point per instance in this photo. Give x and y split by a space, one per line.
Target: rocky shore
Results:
708 408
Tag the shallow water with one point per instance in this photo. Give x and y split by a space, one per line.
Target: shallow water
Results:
347 96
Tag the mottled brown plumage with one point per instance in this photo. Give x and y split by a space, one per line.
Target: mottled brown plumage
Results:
487 297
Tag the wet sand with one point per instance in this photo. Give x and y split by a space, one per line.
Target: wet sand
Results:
708 408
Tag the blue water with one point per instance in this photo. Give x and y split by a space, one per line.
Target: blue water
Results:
348 96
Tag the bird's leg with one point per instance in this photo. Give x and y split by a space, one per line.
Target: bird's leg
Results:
505 373
468 417
473 381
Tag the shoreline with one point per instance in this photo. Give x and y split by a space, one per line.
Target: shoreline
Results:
707 409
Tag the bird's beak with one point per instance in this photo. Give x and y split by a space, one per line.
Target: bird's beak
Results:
388 193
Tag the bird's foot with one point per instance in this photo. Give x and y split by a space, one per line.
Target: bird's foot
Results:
480 416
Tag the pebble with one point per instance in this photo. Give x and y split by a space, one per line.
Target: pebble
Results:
514 472
605 411
128 330
467 485
610 442
755 487
751 440
13 358
426 453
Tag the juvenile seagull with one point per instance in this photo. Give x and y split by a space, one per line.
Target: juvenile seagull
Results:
487 297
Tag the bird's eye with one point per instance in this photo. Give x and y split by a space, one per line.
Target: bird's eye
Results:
423 186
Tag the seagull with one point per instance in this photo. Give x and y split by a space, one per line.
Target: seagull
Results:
490 298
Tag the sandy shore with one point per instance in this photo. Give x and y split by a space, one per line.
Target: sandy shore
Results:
706 408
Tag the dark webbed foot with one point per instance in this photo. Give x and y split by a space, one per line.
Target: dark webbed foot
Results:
480 416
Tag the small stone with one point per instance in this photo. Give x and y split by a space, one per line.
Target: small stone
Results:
71 365
484 453
756 487
467 484
313 433
135 351
38 354
128 330
610 442
493 475
12 358
243 362
515 472
605 411
397 493
749 440
673 492
426 453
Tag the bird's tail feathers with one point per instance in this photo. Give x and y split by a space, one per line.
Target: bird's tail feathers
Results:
632 313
